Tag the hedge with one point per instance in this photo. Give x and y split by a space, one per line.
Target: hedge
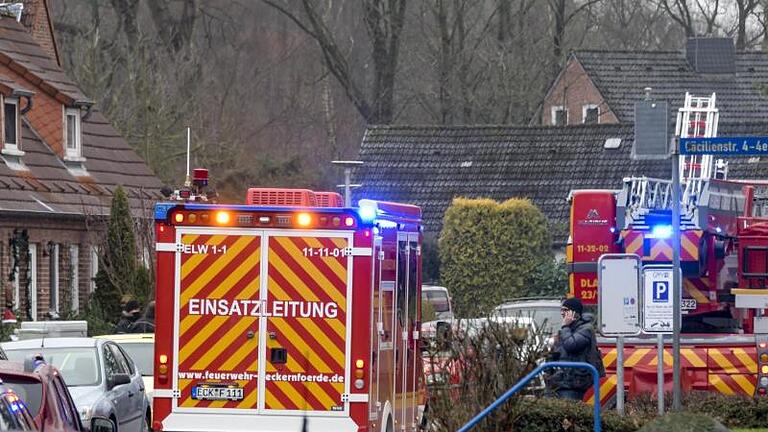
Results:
489 251
684 422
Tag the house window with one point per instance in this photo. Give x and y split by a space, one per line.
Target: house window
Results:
590 114
559 116
72 133
32 292
11 124
74 262
94 267
54 277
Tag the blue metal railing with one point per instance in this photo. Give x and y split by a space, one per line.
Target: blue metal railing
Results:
523 382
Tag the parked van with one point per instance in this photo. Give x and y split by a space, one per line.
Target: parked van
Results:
439 301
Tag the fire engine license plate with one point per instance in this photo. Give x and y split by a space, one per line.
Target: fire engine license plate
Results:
688 304
216 393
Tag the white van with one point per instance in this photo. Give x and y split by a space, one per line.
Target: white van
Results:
439 300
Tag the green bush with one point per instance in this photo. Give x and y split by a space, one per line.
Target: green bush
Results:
684 421
491 248
731 410
551 415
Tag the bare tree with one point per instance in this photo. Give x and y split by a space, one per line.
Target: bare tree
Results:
744 8
561 18
688 16
384 20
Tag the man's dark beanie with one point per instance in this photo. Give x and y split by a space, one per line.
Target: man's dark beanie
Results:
574 304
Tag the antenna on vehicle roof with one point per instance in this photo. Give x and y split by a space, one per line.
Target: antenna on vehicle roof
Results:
187 182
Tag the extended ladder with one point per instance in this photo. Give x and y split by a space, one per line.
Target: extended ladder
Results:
698 118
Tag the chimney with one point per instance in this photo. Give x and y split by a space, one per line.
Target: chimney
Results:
711 55
36 18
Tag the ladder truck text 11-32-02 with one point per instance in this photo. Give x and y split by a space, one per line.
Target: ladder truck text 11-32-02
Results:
724 263
288 313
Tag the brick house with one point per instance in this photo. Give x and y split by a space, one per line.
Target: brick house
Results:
602 86
60 162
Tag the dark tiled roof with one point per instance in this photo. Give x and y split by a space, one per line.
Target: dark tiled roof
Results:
22 54
621 77
49 187
429 166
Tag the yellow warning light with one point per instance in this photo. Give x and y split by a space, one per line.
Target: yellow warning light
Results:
359 363
764 357
178 217
764 369
162 368
222 218
163 359
304 219
192 218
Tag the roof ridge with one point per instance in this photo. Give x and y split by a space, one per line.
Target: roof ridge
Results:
492 126
604 51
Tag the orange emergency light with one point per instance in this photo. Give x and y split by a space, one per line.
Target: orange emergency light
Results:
222 217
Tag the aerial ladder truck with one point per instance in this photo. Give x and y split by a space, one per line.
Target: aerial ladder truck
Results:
723 256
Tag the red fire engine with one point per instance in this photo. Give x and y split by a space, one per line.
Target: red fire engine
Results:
724 259
288 312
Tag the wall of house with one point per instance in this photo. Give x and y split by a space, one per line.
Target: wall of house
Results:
44 232
46 115
574 89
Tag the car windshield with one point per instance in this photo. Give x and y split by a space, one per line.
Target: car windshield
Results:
142 354
438 300
29 390
78 366
546 317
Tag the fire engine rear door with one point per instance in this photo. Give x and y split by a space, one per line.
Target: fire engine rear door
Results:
218 292
307 312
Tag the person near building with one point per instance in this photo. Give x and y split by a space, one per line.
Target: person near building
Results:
575 342
131 313
145 324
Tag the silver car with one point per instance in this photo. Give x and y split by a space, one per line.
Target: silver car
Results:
102 378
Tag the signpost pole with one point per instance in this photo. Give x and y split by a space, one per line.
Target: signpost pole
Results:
677 292
619 376
660 372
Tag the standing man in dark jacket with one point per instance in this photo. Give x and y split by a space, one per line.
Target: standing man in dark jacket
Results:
573 343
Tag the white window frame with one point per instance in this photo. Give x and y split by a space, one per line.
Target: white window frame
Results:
16 285
94 267
53 299
584 109
74 265
33 281
11 147
553 114
77 151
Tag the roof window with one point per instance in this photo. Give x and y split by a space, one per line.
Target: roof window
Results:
11 136
72 139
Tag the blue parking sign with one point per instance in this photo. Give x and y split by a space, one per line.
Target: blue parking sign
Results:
660 291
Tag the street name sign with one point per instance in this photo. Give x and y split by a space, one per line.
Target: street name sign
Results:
725 146
618 285
658 298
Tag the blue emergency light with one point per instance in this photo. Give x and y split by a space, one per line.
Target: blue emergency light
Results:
368 210
661 231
